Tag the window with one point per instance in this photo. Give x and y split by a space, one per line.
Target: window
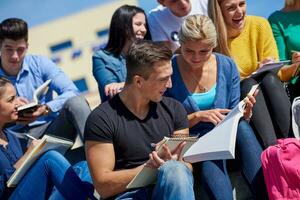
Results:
61 46
102 33
81 85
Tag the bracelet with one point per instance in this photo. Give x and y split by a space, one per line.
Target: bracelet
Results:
47 111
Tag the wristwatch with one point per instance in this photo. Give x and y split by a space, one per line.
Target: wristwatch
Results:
47 110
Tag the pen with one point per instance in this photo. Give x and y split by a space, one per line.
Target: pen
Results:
285 61
153 145
31 137
275 62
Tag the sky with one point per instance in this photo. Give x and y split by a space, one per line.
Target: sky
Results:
36 12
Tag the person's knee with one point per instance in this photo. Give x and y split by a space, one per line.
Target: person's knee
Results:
52 155
76 102
271 80
174 172
246 85
270 77
248 82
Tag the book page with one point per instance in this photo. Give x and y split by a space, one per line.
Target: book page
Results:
218 144
41 90
30 107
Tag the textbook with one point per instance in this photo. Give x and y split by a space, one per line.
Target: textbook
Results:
32 106
219 143
47 143
148 175
274 67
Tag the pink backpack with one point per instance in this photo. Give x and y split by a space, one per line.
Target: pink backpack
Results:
281 167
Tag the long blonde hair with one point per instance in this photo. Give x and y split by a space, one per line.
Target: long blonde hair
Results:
215 13
198 27
290 2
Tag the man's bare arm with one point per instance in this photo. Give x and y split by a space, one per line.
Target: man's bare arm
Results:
101 161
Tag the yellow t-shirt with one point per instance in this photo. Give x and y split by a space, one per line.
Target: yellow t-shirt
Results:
254 44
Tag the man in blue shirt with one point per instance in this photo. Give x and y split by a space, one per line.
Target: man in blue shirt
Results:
64 115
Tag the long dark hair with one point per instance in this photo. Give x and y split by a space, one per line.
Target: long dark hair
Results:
121 28
3 82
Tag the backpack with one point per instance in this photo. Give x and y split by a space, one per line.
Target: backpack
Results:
281 168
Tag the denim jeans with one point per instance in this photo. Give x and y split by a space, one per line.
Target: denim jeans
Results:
174 181
52 169
215 179
82 171
214 173
249 151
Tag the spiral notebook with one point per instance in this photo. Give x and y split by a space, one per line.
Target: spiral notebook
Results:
147 176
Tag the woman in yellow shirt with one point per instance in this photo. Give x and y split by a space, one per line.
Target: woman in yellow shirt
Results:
249 40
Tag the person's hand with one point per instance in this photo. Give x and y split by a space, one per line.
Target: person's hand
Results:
33 144
296 57
214 116
113 88
249 102
27 118
266 61
157 159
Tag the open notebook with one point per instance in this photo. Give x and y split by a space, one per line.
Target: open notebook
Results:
47 143
274 67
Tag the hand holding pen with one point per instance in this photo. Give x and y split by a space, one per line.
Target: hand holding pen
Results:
30 137
34 142
295 56
265 61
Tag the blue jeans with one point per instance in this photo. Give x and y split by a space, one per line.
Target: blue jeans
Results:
174 181
249 151
82 171
215 179
214 173
52 169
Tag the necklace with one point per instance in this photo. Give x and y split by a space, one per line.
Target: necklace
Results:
201 87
